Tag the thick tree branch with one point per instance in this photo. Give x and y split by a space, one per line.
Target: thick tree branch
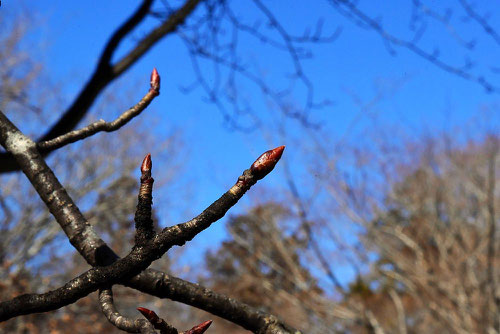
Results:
80 233
175 19
135 262
132 264
161 285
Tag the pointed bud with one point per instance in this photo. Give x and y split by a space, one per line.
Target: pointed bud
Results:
155 81
146 188
148 314
200 329
156 321
266 162
147 164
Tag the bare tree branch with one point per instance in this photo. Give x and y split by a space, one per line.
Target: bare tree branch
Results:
140 257
143 222
306 225
106 72
80 233
481 20
350 10
101 125
162 285
96 252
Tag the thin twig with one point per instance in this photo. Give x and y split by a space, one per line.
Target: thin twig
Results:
143 222
118 320
101 125
488 29
307 226
350 10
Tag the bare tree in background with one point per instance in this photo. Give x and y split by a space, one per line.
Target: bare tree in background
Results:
422 240
437 243
262 266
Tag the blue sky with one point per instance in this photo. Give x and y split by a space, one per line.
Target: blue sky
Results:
425 98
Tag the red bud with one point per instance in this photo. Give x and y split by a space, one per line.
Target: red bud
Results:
148 314
147 164
155 81
159 323
200 329
266 162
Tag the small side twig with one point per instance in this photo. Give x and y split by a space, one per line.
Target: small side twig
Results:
143 222
181 233
101 125
165 328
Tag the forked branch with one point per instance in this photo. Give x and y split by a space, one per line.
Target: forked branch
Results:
140 257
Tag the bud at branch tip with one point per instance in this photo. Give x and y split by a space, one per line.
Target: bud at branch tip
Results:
155 81
266 162
199 329
147 164
148 314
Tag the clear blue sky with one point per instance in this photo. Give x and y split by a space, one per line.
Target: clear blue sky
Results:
358 61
